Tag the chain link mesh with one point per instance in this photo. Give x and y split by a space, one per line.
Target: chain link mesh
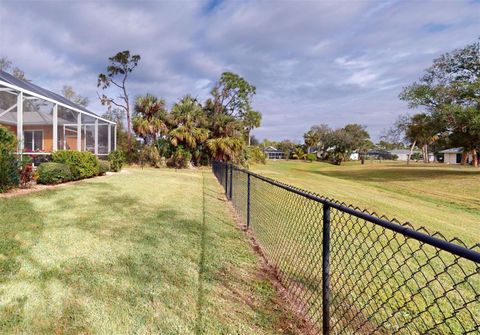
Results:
381 281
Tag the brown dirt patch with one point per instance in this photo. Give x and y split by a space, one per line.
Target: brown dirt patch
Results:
297 323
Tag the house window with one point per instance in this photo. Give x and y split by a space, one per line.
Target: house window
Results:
33 140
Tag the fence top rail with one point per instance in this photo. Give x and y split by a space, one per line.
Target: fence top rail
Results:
405 229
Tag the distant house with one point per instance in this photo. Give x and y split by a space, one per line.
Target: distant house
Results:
273 153
402 154
452 156
378 154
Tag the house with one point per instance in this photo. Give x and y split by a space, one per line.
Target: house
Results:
402 154
453 156
354 156
273 153
44 121
378 154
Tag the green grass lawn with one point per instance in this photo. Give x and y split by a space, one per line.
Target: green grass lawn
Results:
439 197
144 252
379 280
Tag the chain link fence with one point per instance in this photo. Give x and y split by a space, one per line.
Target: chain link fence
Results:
352 272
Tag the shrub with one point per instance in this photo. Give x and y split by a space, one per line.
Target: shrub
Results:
416 156
116 159
8 166
256 155
165 148
104 167
26 172
53 173
180 158
150 155
311 157
82 164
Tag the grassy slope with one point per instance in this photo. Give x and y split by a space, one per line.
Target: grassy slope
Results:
441 198
130 254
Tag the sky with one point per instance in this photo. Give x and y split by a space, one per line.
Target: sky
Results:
312 62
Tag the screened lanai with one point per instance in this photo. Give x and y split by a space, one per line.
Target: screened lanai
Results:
44 121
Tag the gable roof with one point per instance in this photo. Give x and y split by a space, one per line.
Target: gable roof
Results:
271 149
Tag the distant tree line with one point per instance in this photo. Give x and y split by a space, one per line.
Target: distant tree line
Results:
321 142
448 93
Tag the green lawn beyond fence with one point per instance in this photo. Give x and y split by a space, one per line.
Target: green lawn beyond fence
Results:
380 281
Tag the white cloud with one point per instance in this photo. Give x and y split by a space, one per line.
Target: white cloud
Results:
361 78
312 62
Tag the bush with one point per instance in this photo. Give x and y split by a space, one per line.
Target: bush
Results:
165 148
256 155
116 159
150 155
53 173
82 164
26 172
180 159
104 167
8 166
311 157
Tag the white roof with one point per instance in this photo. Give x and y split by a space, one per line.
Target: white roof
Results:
271 149
452 151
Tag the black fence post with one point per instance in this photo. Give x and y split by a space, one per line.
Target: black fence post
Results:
231 180
225 168
326 269
248 200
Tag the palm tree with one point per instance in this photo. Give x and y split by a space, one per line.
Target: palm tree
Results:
188 122
299 153
225 148
252 120
149 121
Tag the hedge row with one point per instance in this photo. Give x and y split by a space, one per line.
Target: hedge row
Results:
53 173
82 164
8 164
70 165
64 166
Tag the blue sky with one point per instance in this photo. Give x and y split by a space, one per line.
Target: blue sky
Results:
312 62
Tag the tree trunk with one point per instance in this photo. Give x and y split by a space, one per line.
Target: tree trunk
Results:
411 152
475 158
129 132
464 158
127 110
363 158
425 153
248 134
